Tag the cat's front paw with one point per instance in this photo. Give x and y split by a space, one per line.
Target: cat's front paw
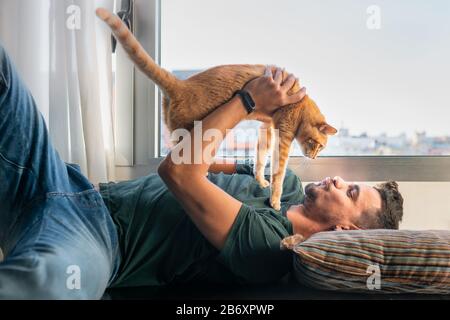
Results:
276 204
290 242
263 182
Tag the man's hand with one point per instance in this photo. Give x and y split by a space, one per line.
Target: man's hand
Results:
269 92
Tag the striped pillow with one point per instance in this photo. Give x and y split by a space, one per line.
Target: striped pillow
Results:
378 261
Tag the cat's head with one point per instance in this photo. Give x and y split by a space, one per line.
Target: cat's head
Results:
312 134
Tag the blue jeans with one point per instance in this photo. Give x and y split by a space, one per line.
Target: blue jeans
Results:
57 236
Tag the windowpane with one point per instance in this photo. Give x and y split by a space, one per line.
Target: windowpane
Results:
381 74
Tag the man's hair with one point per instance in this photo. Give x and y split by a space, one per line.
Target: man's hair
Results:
391 212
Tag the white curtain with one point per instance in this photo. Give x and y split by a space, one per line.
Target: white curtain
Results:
64 55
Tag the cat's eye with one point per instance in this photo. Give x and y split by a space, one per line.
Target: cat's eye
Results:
313 144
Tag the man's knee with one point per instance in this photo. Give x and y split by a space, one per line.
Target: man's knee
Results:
51 277
72 276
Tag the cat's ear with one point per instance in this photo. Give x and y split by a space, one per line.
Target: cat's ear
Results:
327 129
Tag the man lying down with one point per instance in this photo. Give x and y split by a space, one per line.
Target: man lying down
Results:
62 239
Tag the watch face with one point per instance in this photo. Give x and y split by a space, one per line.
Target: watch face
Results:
249 103
247 100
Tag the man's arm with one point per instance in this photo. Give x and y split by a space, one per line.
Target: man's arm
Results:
211 209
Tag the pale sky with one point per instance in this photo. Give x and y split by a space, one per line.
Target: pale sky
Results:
396 79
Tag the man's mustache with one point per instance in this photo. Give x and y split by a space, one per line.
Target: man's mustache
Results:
311 191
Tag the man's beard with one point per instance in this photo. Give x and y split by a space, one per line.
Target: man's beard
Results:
313 208
311 192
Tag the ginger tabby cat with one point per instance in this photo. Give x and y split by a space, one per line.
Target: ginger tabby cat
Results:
186 101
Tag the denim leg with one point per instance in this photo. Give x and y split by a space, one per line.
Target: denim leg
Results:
50 216
29 165
65 251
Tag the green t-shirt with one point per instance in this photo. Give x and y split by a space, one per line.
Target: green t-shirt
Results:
160 244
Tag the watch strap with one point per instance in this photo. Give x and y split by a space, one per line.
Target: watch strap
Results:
247 100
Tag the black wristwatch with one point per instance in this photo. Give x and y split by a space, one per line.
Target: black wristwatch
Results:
247 100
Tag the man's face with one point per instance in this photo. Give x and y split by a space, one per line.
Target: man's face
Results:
339 203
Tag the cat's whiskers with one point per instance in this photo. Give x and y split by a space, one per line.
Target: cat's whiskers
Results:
304 163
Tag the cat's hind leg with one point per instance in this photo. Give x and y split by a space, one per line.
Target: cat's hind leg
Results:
263 148
279 161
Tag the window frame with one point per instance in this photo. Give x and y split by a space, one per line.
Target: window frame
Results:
148 100
124 83
141 103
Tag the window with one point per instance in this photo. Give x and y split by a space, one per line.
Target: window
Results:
380 73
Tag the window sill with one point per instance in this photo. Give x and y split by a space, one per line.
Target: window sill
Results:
364 168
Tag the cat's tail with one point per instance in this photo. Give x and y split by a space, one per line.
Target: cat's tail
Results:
166 81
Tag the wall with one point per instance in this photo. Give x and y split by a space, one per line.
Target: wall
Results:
427 205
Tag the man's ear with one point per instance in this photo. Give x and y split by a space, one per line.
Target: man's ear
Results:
327 129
